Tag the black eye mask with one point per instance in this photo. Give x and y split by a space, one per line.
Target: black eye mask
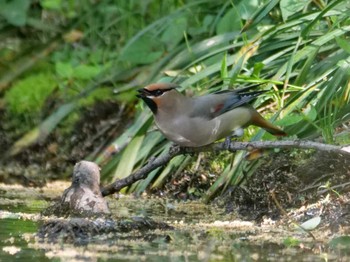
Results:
157 92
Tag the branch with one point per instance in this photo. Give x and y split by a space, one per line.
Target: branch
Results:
142 172
234 146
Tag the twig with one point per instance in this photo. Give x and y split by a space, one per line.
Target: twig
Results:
332 188
315 184
142 172
234 146
303 144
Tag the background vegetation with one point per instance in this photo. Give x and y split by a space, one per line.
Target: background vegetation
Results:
69 71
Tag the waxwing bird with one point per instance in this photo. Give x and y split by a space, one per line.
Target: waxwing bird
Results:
84 195
201 120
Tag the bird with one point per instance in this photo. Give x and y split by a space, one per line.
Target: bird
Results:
84 195
201 120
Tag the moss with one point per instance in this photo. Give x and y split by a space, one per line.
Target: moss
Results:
99 94
26 98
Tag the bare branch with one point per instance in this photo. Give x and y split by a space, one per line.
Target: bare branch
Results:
301 144
142 172
234 146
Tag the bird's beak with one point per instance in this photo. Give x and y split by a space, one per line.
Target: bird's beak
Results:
145 95
142 93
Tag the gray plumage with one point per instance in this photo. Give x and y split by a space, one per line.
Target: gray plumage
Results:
202 120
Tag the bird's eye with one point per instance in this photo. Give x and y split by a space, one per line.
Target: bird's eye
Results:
158 92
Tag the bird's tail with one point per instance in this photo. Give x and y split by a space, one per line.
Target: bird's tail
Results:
258 120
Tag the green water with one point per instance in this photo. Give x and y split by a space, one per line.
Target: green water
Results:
11 235
195 236
184 246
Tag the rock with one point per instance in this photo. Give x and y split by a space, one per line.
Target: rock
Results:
82 231
84 194
83 197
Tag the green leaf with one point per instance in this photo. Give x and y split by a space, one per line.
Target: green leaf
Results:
263 12
304 73
142 122
204 26
257 69
174 33
26 140
247 8
224 73
289 120
305 32
144 50
344 64
86 71
51 4
310 112
15 11
64 70
175 162
236 68
129 156
143 184
231 21
290 7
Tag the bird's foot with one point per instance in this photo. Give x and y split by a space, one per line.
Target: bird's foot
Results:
235 134
174 148
227 142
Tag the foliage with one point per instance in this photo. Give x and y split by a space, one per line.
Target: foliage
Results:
15 12
296 49
25 100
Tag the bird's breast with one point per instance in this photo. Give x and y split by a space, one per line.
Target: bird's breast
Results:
199 131
189 131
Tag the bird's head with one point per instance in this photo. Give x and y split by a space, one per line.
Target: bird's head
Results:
157 94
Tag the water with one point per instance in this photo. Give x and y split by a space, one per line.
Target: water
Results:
201 233
13 233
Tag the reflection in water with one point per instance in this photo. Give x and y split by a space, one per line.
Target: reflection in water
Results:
14 237
198 234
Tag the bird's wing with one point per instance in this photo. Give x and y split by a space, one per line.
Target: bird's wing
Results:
213 105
